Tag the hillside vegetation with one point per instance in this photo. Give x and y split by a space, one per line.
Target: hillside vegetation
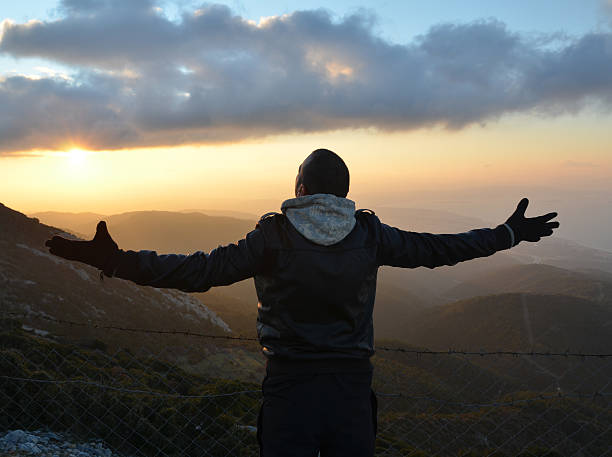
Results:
143 405
107 399
515 322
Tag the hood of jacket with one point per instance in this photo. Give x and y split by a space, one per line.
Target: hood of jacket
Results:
324 219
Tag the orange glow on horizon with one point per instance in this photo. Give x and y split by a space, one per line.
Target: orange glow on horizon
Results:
564 153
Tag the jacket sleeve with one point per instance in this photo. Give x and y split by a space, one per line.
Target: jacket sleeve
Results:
401 248
197 272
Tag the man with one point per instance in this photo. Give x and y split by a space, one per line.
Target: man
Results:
315 274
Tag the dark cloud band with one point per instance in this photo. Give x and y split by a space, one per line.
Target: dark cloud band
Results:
142 80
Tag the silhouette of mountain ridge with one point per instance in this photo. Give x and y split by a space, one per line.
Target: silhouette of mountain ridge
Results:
39 284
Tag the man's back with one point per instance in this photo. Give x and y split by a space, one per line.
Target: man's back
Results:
316 300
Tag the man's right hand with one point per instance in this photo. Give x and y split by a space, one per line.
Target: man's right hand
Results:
97 252
530 228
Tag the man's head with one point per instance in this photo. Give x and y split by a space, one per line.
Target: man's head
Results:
323 172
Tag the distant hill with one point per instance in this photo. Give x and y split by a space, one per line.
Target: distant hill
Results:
428 220
237 304
519 322
39 284
163 231
563 253
396 305
400 293
537 278
73 222
437 286
225 213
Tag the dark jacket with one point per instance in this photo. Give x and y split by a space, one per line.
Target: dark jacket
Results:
315 300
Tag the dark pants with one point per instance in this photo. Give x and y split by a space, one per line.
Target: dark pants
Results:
304 414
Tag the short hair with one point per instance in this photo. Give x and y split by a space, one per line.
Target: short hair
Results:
324 172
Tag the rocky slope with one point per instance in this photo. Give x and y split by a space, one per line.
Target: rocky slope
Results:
38 284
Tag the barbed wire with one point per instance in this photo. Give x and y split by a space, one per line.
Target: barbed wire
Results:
417 352
102 326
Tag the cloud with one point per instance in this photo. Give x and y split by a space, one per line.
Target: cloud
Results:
143 80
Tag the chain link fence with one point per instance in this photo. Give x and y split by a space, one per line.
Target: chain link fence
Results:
174 393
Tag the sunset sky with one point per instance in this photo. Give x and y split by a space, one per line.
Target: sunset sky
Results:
114 105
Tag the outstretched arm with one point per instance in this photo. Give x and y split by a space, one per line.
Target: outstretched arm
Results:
197 272
410 249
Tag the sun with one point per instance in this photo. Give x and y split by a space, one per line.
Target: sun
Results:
78 157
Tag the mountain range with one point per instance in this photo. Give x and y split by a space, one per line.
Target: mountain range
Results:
484 303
